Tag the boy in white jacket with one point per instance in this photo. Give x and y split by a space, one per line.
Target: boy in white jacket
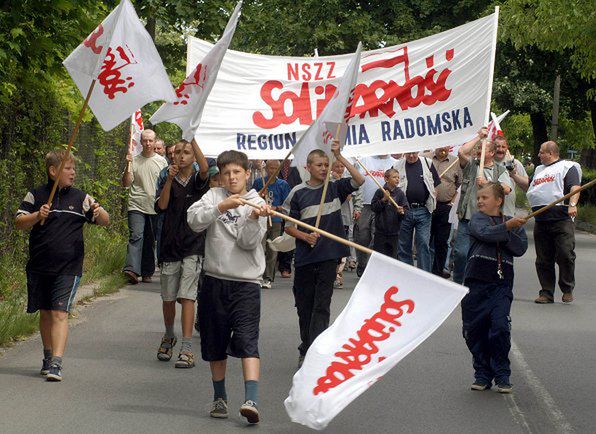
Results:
230 303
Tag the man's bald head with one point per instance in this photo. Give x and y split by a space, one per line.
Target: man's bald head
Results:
148 141
549 152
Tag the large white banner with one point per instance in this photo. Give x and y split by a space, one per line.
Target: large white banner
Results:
393 309
420 95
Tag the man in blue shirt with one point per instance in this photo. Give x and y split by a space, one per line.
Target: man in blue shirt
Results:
276 194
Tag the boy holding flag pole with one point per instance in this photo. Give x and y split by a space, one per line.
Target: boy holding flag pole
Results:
316 259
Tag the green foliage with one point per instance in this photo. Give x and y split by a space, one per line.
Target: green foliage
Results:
555 25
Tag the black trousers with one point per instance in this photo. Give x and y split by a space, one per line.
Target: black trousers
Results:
313 288
555 244
386 244
486 311
284 259
440 229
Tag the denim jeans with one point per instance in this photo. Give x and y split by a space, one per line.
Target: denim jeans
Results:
460 250
140 256
419 220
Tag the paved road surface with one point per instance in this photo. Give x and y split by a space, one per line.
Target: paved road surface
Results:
114 384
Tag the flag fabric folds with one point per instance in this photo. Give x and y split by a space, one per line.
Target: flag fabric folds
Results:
120 55
137 127
191 95
393 309
336 113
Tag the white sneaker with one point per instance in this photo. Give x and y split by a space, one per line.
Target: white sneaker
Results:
266 284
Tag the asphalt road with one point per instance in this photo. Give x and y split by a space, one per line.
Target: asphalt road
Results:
114 383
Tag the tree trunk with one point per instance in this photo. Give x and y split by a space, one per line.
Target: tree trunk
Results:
588 158
151 24
539 131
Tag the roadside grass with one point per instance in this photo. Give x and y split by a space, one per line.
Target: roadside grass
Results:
587 214
104 255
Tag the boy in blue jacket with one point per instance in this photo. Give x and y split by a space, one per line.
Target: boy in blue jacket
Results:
494 240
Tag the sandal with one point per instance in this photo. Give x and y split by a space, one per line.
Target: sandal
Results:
164 353
185 360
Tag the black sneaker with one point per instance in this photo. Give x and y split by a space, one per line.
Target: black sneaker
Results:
45 367
480 385
359 271
54 373
250 411
219 409
504 387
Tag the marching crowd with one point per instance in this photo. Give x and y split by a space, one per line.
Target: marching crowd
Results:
210 226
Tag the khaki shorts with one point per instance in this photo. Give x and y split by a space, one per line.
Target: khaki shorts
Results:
179 280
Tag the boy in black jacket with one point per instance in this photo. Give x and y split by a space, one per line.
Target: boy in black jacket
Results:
494 240
387 217
56 251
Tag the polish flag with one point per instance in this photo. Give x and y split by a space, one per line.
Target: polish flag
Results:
494 129
120 55
191 95
333 119
393 309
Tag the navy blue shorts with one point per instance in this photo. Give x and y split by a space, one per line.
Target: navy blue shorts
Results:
48 292
229 314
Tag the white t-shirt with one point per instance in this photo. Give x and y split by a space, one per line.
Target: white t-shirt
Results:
377 167
145 172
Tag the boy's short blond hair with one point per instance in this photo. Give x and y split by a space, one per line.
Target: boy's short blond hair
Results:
315 153
54 158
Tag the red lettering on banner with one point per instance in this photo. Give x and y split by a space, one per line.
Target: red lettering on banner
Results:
359 352
378 96
299 104
110 76
311 71
198 78
91 41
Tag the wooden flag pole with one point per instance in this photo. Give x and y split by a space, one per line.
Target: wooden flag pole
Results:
449 167
567 196
271 178
266 194
397 207
132 129
482 156
314 229
327 179
70 143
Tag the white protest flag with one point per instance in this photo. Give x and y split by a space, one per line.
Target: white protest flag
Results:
120 55
186 111
137 127
334 115
393 309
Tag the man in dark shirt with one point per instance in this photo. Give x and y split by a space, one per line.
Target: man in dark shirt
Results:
418 178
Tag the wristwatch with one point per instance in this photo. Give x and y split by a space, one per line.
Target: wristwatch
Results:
572 204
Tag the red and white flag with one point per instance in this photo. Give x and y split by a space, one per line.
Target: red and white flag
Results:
121 56
136 128
333 119
192 93
494 129
393 309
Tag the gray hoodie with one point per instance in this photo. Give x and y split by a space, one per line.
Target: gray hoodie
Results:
234 243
